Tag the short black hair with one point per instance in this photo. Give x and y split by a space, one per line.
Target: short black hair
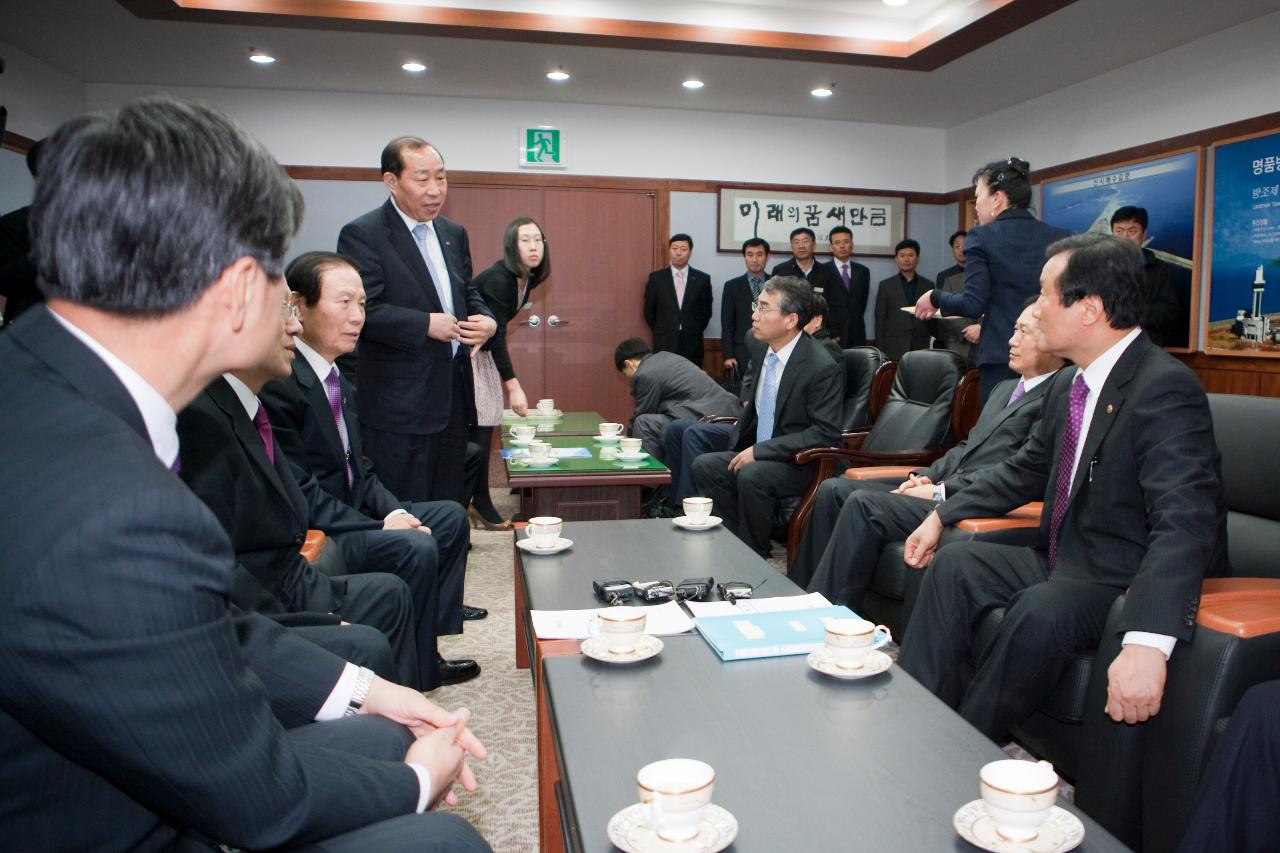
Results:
755 241
795 296
1107 267
961 233
840 229
1010 176
906 244
33 157
511 252
819 307
684 237
799 231
304 272
393 152
630 348
1130 213
139 210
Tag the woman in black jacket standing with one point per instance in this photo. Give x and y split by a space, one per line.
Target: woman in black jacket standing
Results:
505 287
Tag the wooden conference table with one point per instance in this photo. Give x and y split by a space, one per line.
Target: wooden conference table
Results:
582 488
804 762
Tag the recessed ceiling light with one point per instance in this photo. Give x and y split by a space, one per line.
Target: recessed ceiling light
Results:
693 84
820 92
895 2
558 74
414 67
260 57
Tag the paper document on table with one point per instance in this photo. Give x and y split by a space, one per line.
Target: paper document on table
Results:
661 620
758 605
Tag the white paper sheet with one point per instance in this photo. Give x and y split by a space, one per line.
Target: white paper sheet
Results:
758 605
661 620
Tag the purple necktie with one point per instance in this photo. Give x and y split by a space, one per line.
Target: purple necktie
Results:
333 390
844 274
264 432
1066 461
1017 393
176 467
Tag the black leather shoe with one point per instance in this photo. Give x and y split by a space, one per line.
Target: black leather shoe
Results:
473 613
456 671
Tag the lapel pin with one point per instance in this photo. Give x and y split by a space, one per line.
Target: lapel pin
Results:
1110 408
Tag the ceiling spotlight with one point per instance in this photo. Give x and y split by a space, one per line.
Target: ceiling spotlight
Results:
693 84
895 2
559 75
414 67
820 92
260 57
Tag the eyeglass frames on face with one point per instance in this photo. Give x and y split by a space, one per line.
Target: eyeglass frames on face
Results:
757 308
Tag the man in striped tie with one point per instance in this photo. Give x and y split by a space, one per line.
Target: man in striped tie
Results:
1126 464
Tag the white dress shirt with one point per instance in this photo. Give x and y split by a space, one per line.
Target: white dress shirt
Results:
783 355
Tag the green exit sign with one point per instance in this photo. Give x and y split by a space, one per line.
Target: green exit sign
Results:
540 147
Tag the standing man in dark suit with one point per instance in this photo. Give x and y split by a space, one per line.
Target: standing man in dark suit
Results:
313 419
796 397
821 277
898 332
677 303
735 303
417 397
854 519
17 272
849 299
1166 321
1131 479
145 715
1003 257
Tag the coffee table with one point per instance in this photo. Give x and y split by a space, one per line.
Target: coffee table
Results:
568 423
584 488
804 762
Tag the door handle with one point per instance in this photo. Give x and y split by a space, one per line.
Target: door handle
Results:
534 321
553 320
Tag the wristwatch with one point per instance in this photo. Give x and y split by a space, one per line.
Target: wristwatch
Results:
939 493
364 680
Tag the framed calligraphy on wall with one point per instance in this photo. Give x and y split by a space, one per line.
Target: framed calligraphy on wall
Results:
877 222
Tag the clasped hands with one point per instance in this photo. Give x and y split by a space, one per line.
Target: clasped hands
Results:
472 332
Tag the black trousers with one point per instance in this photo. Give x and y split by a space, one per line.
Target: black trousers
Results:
684 441
362 645
1046 622
1233 812
844 539
746 498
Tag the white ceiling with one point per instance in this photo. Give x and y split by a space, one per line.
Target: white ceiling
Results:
98 41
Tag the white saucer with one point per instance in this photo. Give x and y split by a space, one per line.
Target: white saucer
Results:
538 413
554 461
607 439
683 521
528 547
640 456
873 664
630 833
597 648
521 442
1061 831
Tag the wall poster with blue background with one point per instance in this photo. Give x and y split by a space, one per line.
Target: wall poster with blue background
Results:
1244 269
1168 188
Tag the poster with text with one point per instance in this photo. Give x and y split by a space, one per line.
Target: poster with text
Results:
1167 189
1244 270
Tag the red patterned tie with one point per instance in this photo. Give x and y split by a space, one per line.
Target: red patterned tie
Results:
1066 460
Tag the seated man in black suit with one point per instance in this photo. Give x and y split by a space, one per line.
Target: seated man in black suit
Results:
854 519
795 403
1130 474
141 710
313 417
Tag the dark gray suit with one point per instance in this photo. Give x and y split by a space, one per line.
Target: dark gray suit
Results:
898 332
853 520
667 387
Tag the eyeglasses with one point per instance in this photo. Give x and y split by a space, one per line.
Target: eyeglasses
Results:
757 308
290 310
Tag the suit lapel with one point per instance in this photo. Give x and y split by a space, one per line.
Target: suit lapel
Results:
795 367
403 243
317 397
1110 401
247 434
353 433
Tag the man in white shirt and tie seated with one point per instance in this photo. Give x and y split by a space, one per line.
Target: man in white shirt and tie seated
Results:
797 393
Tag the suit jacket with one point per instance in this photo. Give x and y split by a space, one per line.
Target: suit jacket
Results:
735 317
678 327
950 330
848 321
1146 510
1002 263
17 272
501 291
261 504
305 430
825 280
898 332
999 433
1164 321
668 384
405 376
134 706
807 411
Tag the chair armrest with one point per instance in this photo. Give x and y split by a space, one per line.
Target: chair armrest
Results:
1242 607
313 545
864 457
879 472
1024 516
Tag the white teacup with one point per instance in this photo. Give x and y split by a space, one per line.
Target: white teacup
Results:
621 627
546 405
608 454
697 510
849 641
1018 796
609 428
523 432
630 446
540 452
544 530
675 793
